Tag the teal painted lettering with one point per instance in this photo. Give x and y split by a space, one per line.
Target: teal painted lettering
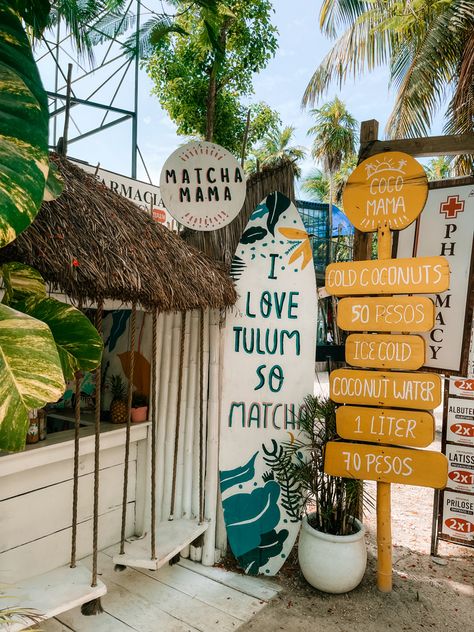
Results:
276 378
254 416
227 195
233 406
292 305
185 177
184 193
238 175
199 195
248 348
290 420
274 415
247 307
271 350
294 333
266 304
273 258
237 332
265 405
258 347
260 377
279 303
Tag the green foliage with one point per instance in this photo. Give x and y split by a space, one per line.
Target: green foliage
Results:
439 168
332 500
335 135
275 148
241 43
428 46
30 370
78 344
23 130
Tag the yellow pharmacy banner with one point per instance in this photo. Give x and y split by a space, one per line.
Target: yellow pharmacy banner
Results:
379 388
413 428
419 275
387 189
424 468
385 351
386 313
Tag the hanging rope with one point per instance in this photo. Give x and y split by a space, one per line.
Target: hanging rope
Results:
201 417
75 488
154 352
178 412
75 477
133 321
95 606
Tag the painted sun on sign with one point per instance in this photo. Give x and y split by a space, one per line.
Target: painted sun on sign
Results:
389 188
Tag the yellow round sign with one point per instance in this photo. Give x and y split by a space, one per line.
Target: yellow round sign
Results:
389 188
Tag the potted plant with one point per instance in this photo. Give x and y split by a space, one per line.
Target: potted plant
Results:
331 551
139 407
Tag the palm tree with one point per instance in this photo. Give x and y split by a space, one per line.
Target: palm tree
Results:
277 148
316 184
428 45
335 134
439 168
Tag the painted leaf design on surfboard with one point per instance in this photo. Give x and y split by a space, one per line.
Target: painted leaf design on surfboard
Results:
277 204
260 211
239 475
271 545
247 516
253 234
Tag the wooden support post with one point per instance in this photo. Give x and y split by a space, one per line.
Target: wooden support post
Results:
384 510
369 131
384 538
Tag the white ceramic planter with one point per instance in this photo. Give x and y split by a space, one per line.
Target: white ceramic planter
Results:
332 563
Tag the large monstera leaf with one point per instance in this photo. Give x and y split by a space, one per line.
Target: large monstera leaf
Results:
24 161
30 371
78 343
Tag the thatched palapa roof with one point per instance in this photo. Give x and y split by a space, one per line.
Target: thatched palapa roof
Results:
92 243
221 244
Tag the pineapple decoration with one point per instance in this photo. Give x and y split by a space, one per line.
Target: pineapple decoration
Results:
118 407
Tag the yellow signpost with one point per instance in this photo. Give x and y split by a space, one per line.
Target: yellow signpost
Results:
382 351
386 313
386 192
381 388
388 188
413 428
385 464
419 275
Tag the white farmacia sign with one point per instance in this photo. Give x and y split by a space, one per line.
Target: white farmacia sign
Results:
203 186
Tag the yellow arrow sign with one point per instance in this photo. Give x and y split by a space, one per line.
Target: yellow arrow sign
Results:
383 351
413 428
420 275
386 313
377 388
424 468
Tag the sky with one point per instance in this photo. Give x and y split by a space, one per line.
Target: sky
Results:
281 84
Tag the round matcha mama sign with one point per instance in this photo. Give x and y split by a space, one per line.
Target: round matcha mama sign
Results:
202 186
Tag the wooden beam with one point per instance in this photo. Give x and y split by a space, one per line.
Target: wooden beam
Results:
421 147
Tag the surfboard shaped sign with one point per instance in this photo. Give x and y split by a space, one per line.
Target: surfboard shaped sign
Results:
268 368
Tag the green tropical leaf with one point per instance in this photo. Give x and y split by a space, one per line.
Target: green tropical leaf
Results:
35 13
54 184
78 343
30 373
23 129
20 281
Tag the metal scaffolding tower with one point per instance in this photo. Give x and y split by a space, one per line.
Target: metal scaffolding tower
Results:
103 91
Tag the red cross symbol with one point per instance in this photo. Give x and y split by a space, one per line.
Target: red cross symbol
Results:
452 207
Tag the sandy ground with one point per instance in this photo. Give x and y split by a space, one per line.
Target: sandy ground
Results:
425 596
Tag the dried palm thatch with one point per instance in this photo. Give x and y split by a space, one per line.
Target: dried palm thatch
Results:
92 243
221 244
